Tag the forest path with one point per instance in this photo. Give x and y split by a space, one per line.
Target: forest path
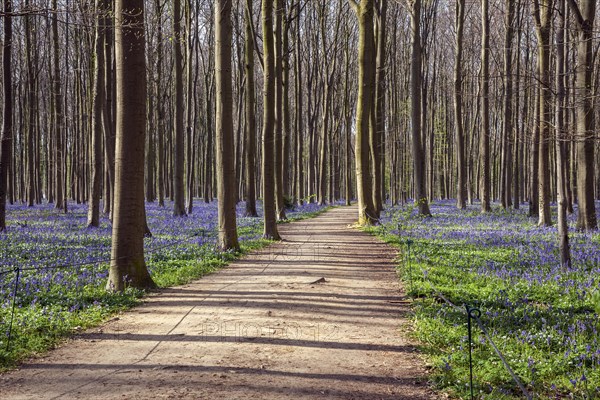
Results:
265 327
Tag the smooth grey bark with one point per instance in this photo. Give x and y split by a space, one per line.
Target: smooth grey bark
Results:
99 102
507 134
561 136
268 137
584 17
178 132
484 140
7 111
366 90
225 165
127 266
542 13
415 109
461 181
249 104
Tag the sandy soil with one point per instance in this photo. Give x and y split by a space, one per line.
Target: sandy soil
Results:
319 315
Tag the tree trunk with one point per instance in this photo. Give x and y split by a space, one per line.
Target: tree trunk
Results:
348 125
584 15
7 111
299 116
250 132
279 6
415 112
109 120
517 145
268 147
484 150
127 267
461 183
93 219
366 90
507 134
285 148
160 108
60 195
561 165
178 133
226 192
543 21
378 139
189 109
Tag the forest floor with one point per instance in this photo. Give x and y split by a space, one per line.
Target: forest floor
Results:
319 315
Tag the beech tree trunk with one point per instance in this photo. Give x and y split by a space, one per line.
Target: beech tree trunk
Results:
366 90
268 145
507 134
461 181
226 185
584 16
161 108
378 140
249 104
7 111
278 36
97 115
60 192
415 110
543 21
299 115
484 141
560 147
127 267
178 133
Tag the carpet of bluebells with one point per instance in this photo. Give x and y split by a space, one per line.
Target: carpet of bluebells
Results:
544 319
63 266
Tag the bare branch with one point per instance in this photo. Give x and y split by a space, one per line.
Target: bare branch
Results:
576 12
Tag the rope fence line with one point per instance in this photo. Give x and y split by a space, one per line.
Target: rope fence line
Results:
205 233
18 270
110 259
472 314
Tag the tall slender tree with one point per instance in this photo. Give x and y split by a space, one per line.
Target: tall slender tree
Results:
279 6
506 184
584 14
484 140
98 99
226 191
249 104
127 266
461 181
560 146
542 15
299 112
268 136
7 110
366 92
415 108
178 134
378 140
59 132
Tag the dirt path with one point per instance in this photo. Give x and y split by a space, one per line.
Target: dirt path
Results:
266 327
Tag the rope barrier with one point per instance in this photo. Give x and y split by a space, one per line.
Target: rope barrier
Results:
473 314
503 359
103 260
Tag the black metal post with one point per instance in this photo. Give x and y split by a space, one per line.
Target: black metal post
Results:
409 265
471 313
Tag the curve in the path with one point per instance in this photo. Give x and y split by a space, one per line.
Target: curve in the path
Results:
317 316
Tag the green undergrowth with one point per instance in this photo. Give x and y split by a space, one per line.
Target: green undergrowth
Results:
44 318
543 319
